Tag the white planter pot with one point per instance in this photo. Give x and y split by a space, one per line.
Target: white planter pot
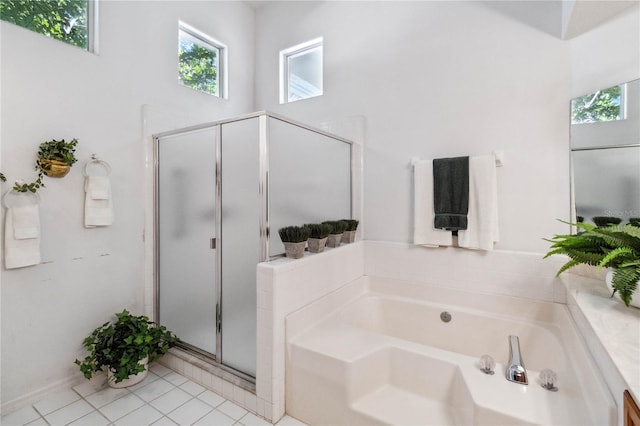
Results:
635 300
132 380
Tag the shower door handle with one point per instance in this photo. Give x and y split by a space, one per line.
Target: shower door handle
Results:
212 243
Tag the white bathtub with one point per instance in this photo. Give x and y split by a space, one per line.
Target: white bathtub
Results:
376 352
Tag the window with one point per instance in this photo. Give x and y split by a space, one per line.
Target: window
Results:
603 105
201 61
65 20
301 71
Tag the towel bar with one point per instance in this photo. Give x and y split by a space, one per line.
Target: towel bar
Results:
498 154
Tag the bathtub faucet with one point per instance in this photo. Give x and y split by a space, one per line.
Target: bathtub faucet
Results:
515 369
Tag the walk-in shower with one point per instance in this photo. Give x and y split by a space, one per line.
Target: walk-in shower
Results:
222 191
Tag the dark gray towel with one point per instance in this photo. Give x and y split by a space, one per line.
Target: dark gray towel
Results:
451 193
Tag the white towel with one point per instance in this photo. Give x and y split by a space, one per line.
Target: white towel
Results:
424 233
22 236
482 218
98 205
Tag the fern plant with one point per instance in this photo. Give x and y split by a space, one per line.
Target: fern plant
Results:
612 246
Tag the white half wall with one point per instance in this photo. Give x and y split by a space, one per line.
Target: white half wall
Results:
54 90
435 79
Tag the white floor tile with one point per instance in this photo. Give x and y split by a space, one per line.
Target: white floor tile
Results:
165 421
251 419
88 387
94 418
215 418
159 369
154 389
171 400
68 414
175 378
121 407
192 387
144 415
20 417
105 396
290 421
39 422
190 412
232 410
149 379
56 401
211 398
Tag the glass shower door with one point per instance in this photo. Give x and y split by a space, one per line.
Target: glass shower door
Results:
187 230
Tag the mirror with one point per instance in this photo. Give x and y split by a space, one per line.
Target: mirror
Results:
605 153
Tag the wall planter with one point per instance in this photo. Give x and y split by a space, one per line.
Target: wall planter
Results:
55 158
54 168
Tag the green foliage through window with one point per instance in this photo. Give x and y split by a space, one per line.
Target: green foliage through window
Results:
198 64
64 20
603 105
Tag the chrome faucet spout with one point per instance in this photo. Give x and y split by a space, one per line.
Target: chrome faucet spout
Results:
515 368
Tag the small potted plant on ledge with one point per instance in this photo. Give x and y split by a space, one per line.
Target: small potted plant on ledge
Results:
612 246
125 348
337 229
349 234
294 239
318 236
606 220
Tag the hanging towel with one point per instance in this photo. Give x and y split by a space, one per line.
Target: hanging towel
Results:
98 205
482 228
424 233
22 236
451 193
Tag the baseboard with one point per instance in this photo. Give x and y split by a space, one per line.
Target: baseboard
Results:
35 396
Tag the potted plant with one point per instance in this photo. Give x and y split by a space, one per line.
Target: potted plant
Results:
55 158
613 246
349 234
337 229
319 232
125 348
606 220
294 239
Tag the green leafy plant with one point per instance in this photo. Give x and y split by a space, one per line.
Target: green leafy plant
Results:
352 224
3 177
319 230
606 220
120 345
294 234
635 221
613 246
338 226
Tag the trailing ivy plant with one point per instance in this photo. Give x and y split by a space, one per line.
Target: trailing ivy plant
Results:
120 346
613 246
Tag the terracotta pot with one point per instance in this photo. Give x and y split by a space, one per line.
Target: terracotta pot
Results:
349 236
316 245
294 250
54 168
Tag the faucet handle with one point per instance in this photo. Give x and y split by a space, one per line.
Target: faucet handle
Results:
487 364
548 379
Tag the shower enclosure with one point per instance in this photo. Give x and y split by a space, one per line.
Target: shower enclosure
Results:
222 190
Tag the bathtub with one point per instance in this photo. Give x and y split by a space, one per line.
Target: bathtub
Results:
376 352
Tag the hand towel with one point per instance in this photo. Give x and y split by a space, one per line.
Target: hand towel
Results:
98 204
424 233
23 250
482 227
451 193
26 221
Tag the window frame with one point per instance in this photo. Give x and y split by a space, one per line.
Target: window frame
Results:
297 50
222 74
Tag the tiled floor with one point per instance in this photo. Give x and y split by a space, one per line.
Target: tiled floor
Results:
163 398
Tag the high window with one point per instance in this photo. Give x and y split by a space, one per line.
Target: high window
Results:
301 71
201 62
71 21
603 105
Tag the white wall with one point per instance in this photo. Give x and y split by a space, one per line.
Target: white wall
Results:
53 90
435 79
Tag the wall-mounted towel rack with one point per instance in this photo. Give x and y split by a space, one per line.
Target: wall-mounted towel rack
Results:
498 154
96 160
23 195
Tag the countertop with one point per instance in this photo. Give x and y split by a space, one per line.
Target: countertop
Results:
616 326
